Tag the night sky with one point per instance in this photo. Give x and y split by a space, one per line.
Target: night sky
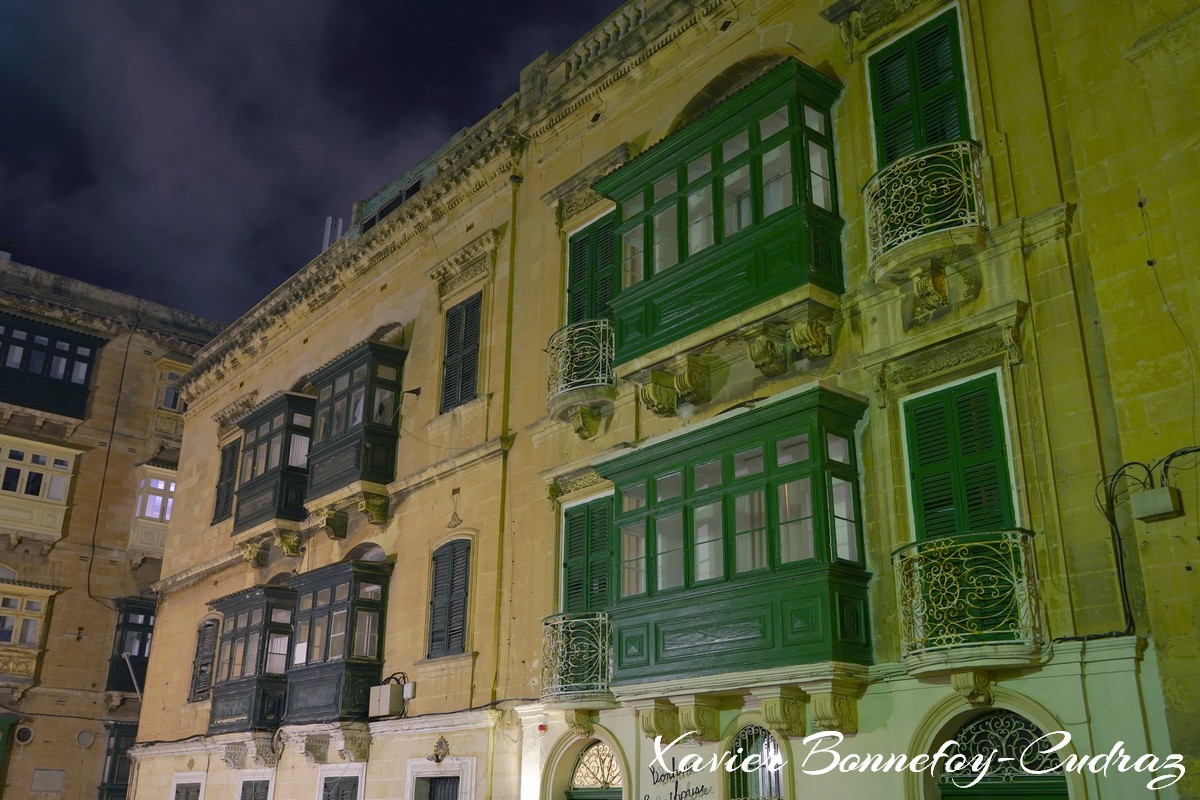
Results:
189 151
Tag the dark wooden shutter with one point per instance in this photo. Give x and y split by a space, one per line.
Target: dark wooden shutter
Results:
187 791
585 556
460 364
604 267
202 665
226 478
448 599
599 527
957 460
255 790
340 788
918 91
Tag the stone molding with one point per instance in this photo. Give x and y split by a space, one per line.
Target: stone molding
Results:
475 261
575 195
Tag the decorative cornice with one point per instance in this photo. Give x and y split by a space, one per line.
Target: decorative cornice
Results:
575 194
455 721
470 263
227 417
566 485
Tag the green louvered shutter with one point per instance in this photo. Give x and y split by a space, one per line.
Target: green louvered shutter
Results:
187 791
918 91
957 460
604 266
226 479
340 788
591 271
579 278
460 361
585 556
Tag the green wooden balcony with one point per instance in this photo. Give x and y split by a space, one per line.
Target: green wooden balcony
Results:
576 657
969 600
926 206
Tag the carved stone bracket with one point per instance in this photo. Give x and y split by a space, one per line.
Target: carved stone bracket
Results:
659 394
14 541
975 686
260 750
783 709
255 553
834 711
113 700
233 754
228 416
767 349
333 522
659 718
375 507
811 339
929 291
565 485
352 745
288 542
693 380
699 716
316 749
585 420
581 721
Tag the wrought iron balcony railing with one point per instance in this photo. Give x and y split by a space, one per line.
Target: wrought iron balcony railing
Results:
581 357
936 189
576 656
968 590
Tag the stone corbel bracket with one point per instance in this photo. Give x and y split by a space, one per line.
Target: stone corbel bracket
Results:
659 395
228 416
335 523
688 380
833 701
255 552
351 745
260 750
974 686
699 715
930 292
784 709
658 718
581 721
812 332
315 748
374 506
766 346
289 542
233 754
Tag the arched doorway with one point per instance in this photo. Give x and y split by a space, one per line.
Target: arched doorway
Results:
596 774
1005 735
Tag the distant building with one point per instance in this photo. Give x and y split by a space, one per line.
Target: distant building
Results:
90 430
756 369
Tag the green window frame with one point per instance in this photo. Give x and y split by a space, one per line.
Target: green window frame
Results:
448 599
958 460
134 634
918 90
460 358
586 533
765 498
339 617
732 179
591 271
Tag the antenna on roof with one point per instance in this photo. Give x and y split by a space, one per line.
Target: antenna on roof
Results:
333 231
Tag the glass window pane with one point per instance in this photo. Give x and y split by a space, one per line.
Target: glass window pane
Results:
29 632
384 401
707 556
58 368
633 559
339 418
298 451
58 488
12 477
750 531
37 459
276 450
818 166
33 483
153 506
300 648
735 146
337 634
277 647
737 200
632 245
700 219
341 592
260 458
699 167
341 382
748 462
322 425
706 475
366 634
356 406
814 119
632 207
14 356
773 123
633 497
664 187
37 359
239 654
242 620
666 239
10 602
668 532
669 486
222 663
839 447
360 374
302 420
777 179
323 596
795 521
281 615
385 373
251 654
320 626
370 591
845 526
792 450
306 601
324 394
256 616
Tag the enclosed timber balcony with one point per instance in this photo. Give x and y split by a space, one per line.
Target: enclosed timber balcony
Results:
576 657
580 379
923 208
969 601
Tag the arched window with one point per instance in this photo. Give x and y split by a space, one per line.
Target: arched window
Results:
764 783
1005 736
202 665
596 775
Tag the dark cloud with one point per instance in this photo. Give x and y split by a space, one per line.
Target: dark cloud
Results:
190 152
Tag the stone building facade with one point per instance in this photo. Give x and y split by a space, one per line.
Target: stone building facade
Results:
90 431
756 370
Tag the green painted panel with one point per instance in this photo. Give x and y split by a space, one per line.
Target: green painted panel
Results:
742 629
802 620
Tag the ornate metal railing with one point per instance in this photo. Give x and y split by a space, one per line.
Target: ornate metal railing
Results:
581 356
968 589
576 655
934 189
